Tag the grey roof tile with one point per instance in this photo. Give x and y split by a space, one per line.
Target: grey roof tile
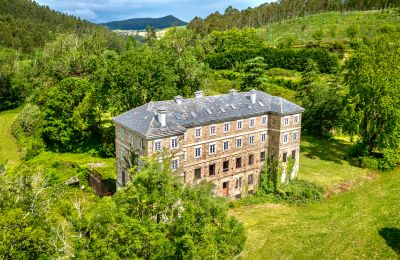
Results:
201 111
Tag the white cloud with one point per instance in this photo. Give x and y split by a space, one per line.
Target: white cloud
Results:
86 14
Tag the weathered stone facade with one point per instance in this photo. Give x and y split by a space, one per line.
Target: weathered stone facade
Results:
232 153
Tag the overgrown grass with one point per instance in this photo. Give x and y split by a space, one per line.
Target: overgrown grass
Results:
335 26
9 150
359 223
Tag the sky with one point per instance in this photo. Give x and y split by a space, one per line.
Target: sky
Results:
99 11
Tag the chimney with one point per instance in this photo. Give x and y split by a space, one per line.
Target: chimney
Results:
198 94
162 113
253 96
178 100
233 91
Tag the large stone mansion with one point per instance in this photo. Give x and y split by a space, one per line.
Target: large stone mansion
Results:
224 139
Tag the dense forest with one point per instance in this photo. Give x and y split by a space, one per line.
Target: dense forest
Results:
66 84
279 11
143 23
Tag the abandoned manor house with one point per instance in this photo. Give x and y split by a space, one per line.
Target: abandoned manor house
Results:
224 139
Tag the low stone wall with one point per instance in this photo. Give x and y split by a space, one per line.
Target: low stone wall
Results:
99 185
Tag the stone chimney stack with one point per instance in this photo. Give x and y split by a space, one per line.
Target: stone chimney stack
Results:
161 116
198 94
253 96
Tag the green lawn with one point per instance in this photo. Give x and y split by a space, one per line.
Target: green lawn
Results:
8 145
362 222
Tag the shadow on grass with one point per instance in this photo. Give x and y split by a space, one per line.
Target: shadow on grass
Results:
392 237
324 149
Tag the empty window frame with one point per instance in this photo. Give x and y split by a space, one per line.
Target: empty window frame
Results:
211 169
262 156
294 154
251 159
197 173
250 179
284 157
225 166
238 162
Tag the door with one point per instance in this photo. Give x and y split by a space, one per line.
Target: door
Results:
225 188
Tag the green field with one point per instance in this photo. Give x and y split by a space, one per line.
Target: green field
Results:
8 145
334 26
361 221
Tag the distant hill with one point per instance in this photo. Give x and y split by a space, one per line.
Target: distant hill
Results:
142 23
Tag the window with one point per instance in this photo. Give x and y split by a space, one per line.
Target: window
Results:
174 142
285 138
262 156
211 169
184 155
225 166
197 152
238 196
122 154
184 136
250 179
250 192
251 159
284 159
294 154
157 145
197 173
296 119
252 122
226 145
239 143
225 185
227 127
238 162
251 140
239 124
286 120
197 132
264 120
213 130
238 183
212 149
295 136
263 137
140 143
175 164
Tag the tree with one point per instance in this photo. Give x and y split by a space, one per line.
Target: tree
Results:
157 217
373 110
253 71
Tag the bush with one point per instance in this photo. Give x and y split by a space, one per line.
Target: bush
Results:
370 162
301 191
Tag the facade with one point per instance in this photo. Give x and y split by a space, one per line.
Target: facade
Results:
224 139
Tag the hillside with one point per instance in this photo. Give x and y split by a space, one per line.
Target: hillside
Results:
142 23
331 26
26 25
277 11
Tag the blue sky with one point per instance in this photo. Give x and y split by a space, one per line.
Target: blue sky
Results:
110 10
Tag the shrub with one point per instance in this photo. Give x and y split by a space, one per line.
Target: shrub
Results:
370 162
300 191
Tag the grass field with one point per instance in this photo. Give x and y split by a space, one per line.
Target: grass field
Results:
362 221
333 25
8 145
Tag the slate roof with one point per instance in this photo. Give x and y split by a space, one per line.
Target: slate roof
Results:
201 111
